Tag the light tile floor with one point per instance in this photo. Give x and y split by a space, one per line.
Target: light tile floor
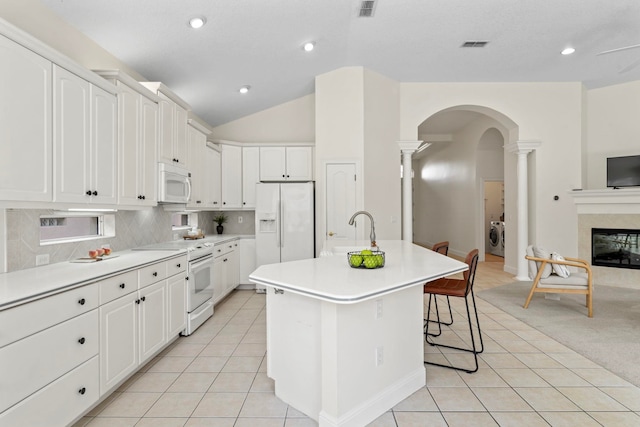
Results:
217 377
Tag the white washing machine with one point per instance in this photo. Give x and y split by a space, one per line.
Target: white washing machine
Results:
496 234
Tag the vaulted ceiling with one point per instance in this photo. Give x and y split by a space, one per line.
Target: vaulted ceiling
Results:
259 43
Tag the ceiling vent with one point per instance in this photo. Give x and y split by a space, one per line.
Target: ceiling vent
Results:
474 43
366 9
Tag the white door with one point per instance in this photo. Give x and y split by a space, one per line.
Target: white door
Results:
299 163
341 194
297 222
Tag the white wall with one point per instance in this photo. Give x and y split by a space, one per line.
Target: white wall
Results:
546 112
293 121
613 128
448 186
339 131
381 167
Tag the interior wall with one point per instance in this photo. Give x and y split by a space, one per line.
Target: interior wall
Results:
39 21
339 131
613 128
546 112
381 166
293 121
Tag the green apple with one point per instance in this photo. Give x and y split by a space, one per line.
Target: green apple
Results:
379 260
370 262
366 252
355 260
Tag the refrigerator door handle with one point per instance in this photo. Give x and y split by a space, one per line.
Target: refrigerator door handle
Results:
281 223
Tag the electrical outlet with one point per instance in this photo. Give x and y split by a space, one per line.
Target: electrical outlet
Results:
239 220
379 356
379 309
42 259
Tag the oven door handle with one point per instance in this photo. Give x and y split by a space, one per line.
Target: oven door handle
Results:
200 261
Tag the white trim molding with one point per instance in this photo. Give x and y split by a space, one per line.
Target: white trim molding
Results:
407 148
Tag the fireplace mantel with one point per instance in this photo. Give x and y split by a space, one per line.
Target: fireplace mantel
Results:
607 201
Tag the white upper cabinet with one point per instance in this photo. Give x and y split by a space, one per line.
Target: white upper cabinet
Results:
231 177
172 136
25 124
84 141
213 175
137 139
286 163
197 166
250 175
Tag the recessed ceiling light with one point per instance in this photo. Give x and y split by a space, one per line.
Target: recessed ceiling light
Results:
244 89
197 22
309 46
568 51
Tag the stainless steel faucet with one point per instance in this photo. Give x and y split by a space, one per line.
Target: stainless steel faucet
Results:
372 236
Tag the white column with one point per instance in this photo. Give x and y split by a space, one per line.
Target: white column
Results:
522 150
407 148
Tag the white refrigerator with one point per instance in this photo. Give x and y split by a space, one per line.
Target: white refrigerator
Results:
285 223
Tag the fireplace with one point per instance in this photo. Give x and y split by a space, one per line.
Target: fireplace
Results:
615 247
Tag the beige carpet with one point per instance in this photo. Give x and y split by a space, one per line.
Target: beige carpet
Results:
611 338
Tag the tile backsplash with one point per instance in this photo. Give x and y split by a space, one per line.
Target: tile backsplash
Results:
133 229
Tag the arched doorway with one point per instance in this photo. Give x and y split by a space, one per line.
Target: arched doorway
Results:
466 149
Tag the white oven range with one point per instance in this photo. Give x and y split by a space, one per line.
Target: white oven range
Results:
199 285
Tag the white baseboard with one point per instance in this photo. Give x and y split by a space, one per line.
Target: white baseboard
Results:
378 404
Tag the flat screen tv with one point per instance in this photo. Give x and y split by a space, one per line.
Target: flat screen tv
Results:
623 171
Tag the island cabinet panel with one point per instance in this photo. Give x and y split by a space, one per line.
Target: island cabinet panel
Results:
345 364
25 124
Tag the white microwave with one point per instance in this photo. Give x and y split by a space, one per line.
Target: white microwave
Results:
174 184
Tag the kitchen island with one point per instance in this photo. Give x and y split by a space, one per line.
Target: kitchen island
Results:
344 345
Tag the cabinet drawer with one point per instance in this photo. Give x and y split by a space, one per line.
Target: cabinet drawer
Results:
151 274
35 316
224 248
59 403
29 364
176 266
117 286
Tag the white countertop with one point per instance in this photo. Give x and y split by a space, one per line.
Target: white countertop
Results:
330 278
25 285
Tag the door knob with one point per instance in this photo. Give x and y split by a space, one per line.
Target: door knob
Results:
331 233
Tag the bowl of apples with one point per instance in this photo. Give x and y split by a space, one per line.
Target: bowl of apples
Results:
366 258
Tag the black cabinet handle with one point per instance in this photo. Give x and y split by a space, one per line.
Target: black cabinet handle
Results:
81 340
225 260
140 197
81 301
155 274
82 390
121 285
95 193
144 197
178 265
224 203
283 175
137 301
88 193
144 298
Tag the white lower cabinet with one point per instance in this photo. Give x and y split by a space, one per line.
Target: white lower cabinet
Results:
177 305
65 352
118 341
137 326
37 360
226 269
60 402
153 319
